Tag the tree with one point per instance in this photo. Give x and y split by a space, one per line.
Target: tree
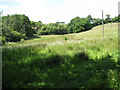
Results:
115 19
53 28
96 22
78 24
15 36
16 25
108 19
119 18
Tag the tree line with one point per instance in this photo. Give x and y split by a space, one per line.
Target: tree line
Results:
16 27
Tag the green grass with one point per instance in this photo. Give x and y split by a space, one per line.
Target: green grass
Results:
82 60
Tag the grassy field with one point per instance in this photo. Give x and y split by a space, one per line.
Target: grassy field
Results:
81 60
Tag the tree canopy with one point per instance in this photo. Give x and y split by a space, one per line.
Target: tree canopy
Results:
16 24
16 27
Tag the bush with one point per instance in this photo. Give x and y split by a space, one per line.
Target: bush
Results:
66 38
77 31
24 37
3 40
15 36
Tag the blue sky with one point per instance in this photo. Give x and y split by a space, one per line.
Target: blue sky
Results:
51 11
5 4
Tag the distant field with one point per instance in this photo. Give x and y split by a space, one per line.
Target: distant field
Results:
81 60
93 34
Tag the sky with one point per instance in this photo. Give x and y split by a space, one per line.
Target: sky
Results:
51 11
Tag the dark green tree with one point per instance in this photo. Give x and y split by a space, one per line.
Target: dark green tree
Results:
108 19
13 25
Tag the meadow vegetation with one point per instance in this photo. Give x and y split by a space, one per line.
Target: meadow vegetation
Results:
17 27
77 60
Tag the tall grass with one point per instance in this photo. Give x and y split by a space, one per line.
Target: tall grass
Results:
84 61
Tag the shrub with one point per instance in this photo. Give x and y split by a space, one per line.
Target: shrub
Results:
15 36
77 31
66 38
3 40
24 37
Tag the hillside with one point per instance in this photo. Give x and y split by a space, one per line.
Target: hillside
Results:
82 60
95 33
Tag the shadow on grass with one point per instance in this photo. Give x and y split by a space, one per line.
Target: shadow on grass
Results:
33 37
57 71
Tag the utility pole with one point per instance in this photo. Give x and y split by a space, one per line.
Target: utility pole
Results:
103 23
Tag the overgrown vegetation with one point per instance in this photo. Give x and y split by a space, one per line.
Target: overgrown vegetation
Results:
81 60
14 27
17 27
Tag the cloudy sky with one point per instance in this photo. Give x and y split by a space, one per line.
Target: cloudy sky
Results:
51 11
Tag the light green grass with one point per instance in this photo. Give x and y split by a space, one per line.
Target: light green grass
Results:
93 34
82 60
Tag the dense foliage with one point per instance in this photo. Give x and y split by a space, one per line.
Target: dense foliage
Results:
17 27
79 24
14 27
52 28
35 26
82 60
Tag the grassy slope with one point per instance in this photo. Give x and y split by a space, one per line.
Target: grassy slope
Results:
82 60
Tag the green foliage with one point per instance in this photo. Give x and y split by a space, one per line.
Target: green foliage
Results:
3 40
119 18
85 64
65 38
54 60
15 36
66 71
24 37
108 19
52 28
82 55
27 28
12 36
36 26
96 22
80 24
115 19
14 26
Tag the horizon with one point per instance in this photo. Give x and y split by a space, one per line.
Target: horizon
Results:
52 11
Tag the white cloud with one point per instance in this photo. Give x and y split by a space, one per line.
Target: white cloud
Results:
3 6
40 10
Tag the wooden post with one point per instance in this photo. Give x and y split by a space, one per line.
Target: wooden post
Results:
103 23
